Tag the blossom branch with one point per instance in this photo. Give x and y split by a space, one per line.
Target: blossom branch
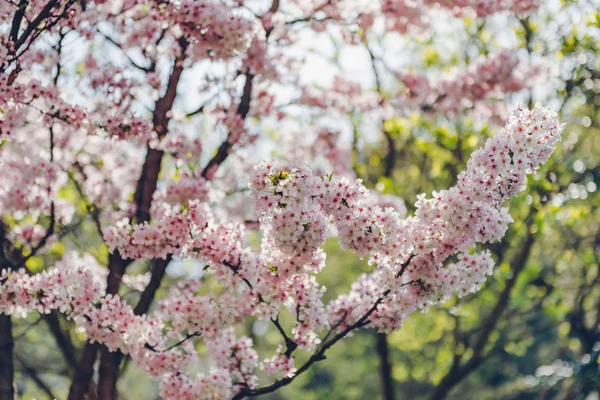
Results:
319 354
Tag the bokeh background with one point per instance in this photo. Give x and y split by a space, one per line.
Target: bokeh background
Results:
532 332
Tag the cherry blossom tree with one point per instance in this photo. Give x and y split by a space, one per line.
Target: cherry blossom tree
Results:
141 125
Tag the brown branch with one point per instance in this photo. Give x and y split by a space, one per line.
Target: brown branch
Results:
319 354
108 373
290 344
6 261
455 376
158 266
35 29
82 377
7 370
225 147
109 361
519 262
274 6
59 49
242 111
200 109
160 120
244 106
131 61
391 156
185 339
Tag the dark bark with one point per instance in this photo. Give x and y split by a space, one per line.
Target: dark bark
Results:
117 266
7 368
44 14
158 271
147 184
44 21
390 157
110 361
83 374
108 374
242 110
160 121
17 19
225 147
385 367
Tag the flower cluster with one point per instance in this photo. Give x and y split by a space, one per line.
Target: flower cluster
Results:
297 209
212 27
180 146
279 364
483 8
28 181
188 186
407 15
461 90
78 292
410 264
127 127
33 97
235 355
343 95
217 384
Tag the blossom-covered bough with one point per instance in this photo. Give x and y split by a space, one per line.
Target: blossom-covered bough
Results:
79 140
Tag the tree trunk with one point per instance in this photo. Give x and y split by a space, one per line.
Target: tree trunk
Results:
83 374
108 374
7 369
385 367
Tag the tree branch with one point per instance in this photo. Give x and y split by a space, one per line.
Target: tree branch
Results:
159 267
319 354
16 23
109 361
225 147
458 372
